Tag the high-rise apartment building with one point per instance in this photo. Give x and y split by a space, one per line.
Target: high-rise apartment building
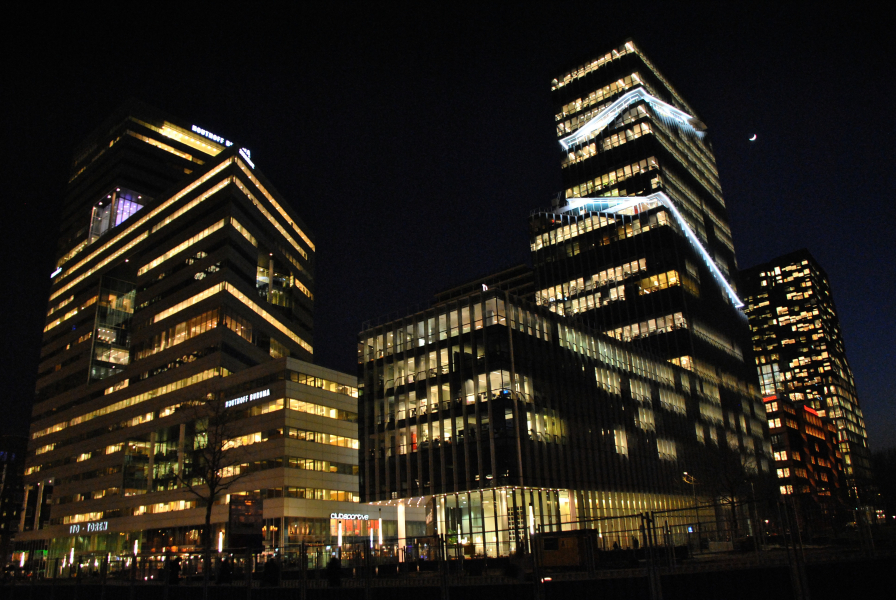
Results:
627 370
181 270
799 349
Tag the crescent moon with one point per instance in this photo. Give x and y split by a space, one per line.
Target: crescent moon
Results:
753 139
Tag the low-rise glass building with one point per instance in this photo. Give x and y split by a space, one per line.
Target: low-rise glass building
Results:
504 418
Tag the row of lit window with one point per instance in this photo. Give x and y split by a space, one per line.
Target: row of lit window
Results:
164 147
135 226
165 389
577 286
59 305
598 95
69 314
620 232
661 281
304 407
451 323
198 325
599 349
612 141
564 128
592 66
317 437
182 246
612 178
589 301
224 286
276 206
649 327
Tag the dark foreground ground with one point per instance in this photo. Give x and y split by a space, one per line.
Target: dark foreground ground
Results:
828 577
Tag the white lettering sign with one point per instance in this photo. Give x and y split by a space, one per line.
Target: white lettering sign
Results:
211 136
244 152
350 516
90 527
247 398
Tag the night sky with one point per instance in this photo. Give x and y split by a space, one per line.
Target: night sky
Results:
415 142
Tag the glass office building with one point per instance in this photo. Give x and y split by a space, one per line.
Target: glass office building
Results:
502 417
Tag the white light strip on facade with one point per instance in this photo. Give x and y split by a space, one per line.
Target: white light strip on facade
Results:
613 204
602 119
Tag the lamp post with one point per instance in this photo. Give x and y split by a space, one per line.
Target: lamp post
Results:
692 481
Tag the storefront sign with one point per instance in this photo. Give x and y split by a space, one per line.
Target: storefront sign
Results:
350 516
89 527
247 398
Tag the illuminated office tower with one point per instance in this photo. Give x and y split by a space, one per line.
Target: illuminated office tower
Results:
638 244
180 269
799 349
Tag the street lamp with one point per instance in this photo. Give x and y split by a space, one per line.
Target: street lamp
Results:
692 481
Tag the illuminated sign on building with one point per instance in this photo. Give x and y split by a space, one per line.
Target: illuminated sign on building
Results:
245 153
90 527
247 398
213 137
350 516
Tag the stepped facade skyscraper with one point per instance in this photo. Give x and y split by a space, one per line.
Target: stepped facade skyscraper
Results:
638 245
181 273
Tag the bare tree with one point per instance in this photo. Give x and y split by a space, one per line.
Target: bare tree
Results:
727 474
212 460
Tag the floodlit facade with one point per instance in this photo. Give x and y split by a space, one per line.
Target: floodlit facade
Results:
799 349
181 270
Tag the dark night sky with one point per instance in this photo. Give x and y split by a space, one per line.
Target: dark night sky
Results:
414 144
